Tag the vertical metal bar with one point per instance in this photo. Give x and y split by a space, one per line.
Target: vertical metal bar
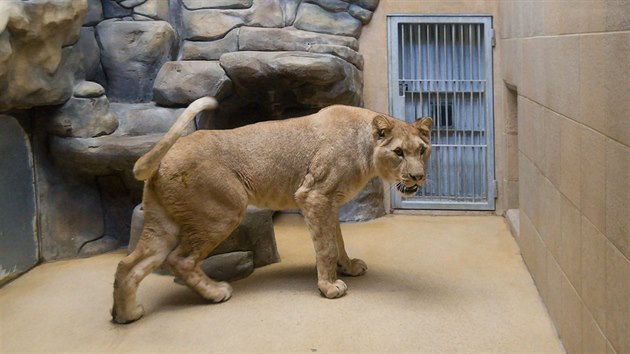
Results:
436 104
472 110
482 167
403 42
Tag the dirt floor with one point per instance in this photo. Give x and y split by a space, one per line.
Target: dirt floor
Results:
434 284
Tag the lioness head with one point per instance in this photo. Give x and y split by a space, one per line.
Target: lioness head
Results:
402 151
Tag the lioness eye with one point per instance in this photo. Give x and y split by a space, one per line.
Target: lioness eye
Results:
398 152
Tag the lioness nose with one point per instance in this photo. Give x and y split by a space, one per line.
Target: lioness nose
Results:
417 177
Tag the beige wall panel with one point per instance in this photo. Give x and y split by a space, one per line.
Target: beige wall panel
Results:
618 196
605 83
594 271
570 137
617 300
551 143
593 177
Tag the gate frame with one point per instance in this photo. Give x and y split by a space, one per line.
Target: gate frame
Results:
397 103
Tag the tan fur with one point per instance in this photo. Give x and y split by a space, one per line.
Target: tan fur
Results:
197 191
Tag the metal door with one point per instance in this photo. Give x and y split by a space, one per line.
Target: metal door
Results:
441 67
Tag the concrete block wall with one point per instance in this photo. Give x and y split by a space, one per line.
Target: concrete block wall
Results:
568 64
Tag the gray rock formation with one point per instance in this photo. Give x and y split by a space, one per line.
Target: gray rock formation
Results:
136 119
37 61
18 218
263 59
194 50
311 17
91 56
255 233
312 80
132 54
367 205
181 82
229 266
84 115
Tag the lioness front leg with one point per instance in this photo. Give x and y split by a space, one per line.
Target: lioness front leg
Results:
322 218
345 265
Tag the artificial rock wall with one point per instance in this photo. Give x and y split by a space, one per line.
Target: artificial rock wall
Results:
94 84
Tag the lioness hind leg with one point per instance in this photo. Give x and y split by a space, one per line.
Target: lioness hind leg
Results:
195 245
346 265
155 244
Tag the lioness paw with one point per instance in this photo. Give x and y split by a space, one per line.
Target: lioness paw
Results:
333 290
222 292
131 316
354 267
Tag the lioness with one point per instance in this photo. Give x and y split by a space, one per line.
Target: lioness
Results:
198 187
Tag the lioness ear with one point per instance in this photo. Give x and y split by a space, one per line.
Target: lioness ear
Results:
382 126
424 125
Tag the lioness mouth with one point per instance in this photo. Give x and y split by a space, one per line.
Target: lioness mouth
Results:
406 190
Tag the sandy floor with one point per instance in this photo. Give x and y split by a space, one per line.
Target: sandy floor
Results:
434 284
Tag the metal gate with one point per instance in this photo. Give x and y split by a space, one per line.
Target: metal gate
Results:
441 67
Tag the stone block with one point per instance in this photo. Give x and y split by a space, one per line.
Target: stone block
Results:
511 60
91 56
132 54
181 82
551 146
367 205
311 17
112 9
345 53
135 231
94 13
129 4
554 296
534 254
146 118
570 259
313 80
360 13
604 69
618 195
593 340
593 290
18 241
288 39
153 9
571 320
70 209
255 233
593 177
229 266
83 118
570 165
209 24
101 156
39 61
561 83
617 299
217 4
194 50
534 71
99 246
551 218
265 13
88 89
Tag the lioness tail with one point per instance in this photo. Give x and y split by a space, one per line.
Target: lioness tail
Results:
146 165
